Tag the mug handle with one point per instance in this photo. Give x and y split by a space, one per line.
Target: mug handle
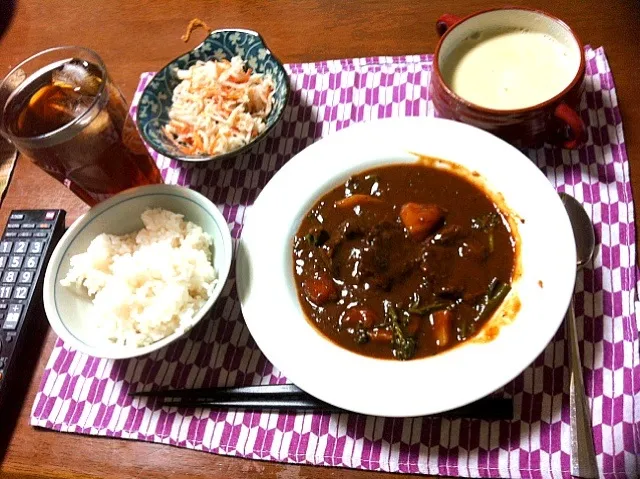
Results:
570 118
445 22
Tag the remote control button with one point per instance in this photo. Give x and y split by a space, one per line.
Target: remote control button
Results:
15 261
40 234
9 338
25 277
5 246
44 226
9 276
15 308
21 247
49 215
16 216
11 323
24 234
5 291
21 292
4 305
32 262
10 234
3 261
36 247
28 226
13 226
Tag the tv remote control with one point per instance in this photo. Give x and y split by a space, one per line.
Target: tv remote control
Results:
25 248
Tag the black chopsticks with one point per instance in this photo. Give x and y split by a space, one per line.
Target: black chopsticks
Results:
288 397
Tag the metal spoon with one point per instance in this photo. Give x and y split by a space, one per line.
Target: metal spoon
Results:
583 456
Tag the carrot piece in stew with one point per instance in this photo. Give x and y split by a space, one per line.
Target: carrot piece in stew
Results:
442 322
421 220
320 290
380 335
357 200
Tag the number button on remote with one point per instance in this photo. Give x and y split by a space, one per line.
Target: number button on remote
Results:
32 262
36 247
9 277
3 261
21 292
5 291
21 247
5 246
15 261
26 277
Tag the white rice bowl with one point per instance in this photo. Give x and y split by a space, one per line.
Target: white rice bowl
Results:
148 284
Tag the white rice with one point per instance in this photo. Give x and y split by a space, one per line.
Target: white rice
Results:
147 284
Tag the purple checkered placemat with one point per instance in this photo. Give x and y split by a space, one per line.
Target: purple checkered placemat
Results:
86 395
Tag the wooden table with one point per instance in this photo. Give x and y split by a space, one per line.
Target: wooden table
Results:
136 36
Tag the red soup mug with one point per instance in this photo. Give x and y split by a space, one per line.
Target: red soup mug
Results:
515 72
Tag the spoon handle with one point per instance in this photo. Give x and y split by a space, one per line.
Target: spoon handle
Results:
583 456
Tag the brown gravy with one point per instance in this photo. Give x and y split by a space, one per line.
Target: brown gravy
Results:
403 261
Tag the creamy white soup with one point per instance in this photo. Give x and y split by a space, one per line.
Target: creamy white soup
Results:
510 68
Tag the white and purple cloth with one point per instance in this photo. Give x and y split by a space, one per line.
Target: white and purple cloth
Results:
87 395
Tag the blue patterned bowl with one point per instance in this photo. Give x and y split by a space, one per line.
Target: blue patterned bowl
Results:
155 102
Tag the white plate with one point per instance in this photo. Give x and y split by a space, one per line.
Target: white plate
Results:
421 386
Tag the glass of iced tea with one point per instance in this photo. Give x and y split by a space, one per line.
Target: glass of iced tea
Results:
61 109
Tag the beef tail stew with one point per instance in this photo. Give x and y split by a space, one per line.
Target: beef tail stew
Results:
403 261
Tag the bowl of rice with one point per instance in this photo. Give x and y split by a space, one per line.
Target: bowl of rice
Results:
216 101
137 271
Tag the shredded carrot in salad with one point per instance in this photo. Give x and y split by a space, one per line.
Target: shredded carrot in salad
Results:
218 106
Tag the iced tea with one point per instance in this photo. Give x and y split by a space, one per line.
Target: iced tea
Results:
61 109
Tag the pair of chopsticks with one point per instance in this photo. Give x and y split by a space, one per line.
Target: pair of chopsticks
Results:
288 397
